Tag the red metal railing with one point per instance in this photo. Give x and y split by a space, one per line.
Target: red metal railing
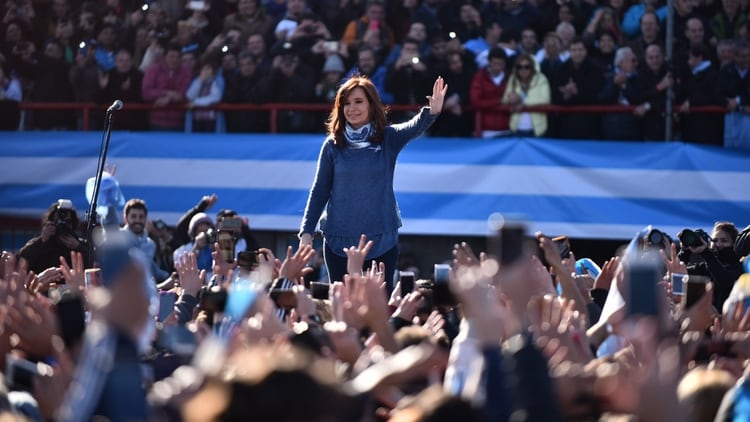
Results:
275 108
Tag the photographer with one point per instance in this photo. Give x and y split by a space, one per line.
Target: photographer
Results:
58 238
713 256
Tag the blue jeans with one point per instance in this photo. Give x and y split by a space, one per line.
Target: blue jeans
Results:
336 264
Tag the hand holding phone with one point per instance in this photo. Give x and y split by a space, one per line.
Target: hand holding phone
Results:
406 278
441 292
563 245
678 284
642 278
319 290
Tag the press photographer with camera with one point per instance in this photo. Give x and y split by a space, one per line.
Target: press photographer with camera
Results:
58 238
713 256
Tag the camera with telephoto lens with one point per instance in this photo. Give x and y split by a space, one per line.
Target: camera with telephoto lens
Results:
693 238
64 217
657 239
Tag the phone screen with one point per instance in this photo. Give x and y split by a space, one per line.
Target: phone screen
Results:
19 373
563 245
441 292
406 278
678 284
642 279
226 245
93 277
166 304
319 290
512 237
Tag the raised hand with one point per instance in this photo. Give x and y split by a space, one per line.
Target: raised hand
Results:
31 318
356 255
408 306
439 89
673 263
191 278
463 255
294 264
74 277
220 265
607 274
552 318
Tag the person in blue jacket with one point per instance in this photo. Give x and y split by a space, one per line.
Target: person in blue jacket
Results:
354 177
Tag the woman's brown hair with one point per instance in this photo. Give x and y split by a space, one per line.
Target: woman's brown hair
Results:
337 122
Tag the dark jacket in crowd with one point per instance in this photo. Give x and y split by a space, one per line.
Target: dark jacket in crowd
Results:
701 90
408 86
299 88
41 255
643 90
619 126
732 84
518 383
723 267
449 124
241 89
588 80
51 85
125 87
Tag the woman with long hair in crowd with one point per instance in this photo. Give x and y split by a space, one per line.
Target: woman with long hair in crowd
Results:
527 87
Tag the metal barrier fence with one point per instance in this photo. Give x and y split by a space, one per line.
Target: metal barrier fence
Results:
274 109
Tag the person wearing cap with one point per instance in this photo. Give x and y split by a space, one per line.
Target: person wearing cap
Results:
354 177
199 243
333 69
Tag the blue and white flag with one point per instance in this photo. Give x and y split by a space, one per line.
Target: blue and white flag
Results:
591 189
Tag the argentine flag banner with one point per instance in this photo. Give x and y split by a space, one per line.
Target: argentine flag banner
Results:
591 189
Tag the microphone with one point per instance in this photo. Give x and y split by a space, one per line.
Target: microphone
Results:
115 106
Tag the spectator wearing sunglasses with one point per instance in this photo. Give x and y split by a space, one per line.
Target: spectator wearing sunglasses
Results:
527 86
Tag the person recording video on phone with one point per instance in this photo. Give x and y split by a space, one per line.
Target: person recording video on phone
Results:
354 176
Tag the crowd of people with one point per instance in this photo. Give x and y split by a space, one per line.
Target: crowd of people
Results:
495 56
520 331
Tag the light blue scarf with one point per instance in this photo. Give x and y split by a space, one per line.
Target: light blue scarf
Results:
358 138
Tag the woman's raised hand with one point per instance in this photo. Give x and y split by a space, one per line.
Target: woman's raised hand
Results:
439 88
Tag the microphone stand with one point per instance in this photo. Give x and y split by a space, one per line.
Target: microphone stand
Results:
103 148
